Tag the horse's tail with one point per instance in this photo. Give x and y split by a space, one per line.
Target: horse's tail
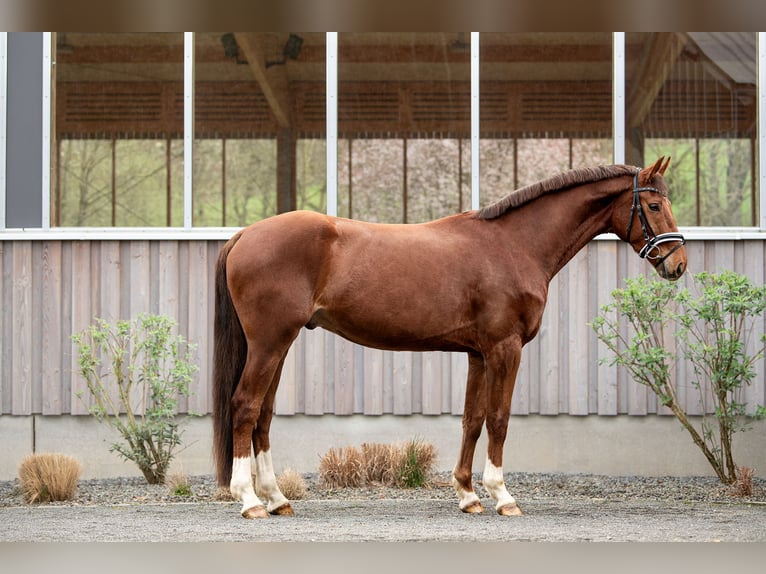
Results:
229 354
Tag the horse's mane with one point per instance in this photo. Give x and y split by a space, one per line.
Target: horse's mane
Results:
558 182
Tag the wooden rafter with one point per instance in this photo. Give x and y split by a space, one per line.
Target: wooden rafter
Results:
273 81
653 69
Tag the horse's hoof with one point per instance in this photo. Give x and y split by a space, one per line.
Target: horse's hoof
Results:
474 508
255 512
510 510
284 510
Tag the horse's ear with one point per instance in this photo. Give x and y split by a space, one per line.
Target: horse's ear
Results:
656 168
664 166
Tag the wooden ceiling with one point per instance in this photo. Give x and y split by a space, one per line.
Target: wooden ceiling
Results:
393 84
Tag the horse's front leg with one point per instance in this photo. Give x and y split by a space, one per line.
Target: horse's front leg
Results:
502 366
474 414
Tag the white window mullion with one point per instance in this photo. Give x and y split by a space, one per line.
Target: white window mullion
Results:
475 132
188 128
332 122
618 96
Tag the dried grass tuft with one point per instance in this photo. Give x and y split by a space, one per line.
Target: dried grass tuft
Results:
341 468
292 484
743 486
405 465
47 477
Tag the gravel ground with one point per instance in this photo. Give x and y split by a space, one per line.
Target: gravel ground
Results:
557 507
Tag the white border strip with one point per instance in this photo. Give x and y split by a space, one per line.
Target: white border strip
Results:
475 119
47 127
188 128
332 122
618 96
762 128
3 120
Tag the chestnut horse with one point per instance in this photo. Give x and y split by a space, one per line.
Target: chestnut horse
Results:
475 282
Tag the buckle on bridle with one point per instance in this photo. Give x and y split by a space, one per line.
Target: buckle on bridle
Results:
652 240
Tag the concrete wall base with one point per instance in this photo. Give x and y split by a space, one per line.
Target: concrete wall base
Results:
622 445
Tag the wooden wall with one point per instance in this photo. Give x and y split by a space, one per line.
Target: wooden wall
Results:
52 289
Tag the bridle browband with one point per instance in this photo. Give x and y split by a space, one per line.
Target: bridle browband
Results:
652 240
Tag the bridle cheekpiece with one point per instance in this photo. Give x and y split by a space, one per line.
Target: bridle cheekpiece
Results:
652 240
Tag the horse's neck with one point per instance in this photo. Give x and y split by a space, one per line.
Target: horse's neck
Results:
566 222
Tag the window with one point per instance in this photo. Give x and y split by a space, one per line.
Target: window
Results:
546 106
117 149
404 122
693 96
403 115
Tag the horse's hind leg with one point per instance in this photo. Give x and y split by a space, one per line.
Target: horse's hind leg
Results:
474 414
266 481
247 403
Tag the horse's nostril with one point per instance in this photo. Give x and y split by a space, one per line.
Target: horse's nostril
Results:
679 269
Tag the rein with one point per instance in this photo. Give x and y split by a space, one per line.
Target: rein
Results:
652 240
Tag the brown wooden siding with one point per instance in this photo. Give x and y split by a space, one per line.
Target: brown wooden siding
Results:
52 289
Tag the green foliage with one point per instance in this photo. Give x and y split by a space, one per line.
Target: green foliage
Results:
413 469
135 372
714 326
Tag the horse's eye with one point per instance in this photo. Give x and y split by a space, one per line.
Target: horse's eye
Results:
654 206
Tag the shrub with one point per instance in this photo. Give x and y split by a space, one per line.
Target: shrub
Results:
138 368
715 329
47 477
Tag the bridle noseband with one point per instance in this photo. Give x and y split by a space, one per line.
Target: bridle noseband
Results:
652 240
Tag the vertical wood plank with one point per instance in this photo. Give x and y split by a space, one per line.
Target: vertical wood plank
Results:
284 403
520 399
81 318
459 366
314 375
5 321
578 335
168 279
21 359
636 393
754 267
388 382
373 381
109 274
605 283
198 329
690 396
446 368
432 389
344 377
51 333
549 352
402 379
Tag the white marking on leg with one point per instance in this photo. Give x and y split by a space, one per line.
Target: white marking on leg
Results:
495 485
466 497
266 481
241 485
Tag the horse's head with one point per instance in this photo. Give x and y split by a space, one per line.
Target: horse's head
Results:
649 225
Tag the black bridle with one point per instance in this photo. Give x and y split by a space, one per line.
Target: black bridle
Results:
650 250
